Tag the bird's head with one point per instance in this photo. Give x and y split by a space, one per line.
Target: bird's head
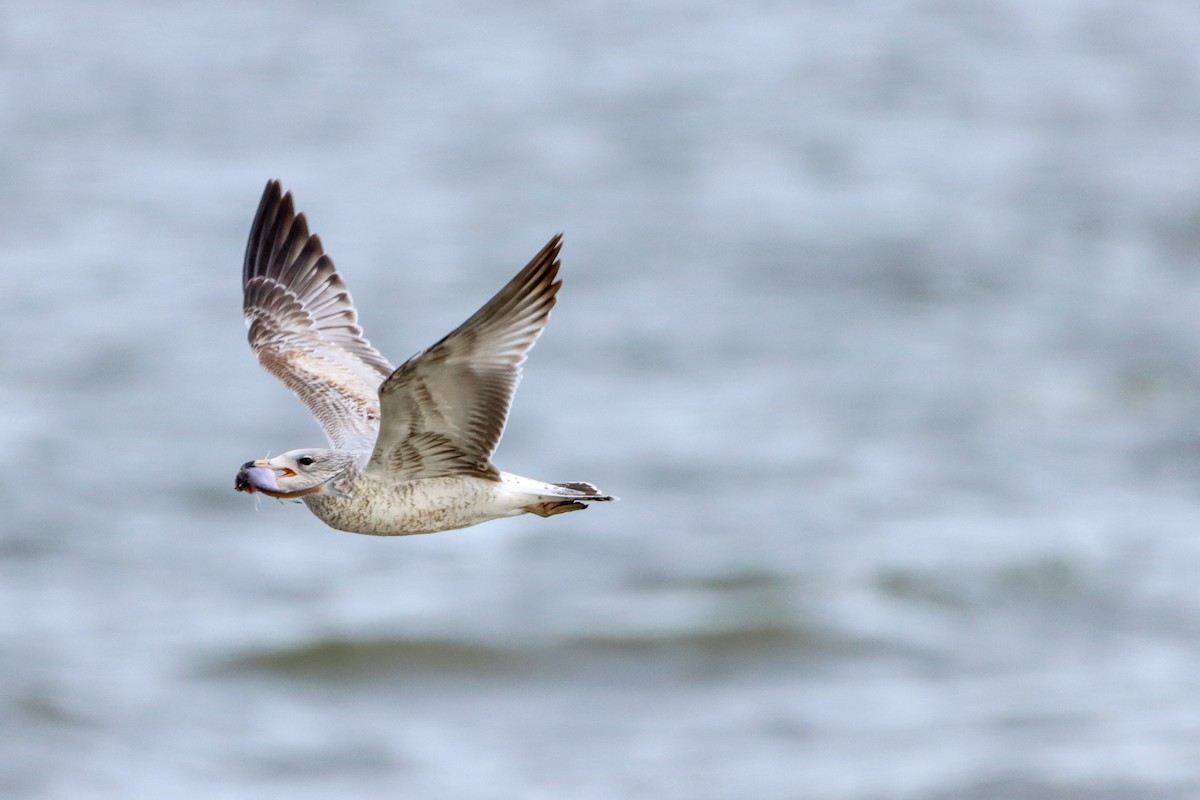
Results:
294 474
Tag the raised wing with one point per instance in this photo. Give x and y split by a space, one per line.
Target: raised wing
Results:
303 326
445 408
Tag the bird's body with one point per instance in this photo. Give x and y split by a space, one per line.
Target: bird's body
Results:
368 504
410 447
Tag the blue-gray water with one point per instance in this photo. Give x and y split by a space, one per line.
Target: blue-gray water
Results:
883 319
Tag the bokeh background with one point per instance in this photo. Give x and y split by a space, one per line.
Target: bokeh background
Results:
882 318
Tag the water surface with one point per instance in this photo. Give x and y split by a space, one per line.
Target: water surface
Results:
881 320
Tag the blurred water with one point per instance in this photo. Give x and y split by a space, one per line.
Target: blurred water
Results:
880 318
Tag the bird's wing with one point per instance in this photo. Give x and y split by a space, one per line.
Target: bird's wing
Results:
303 326
445 408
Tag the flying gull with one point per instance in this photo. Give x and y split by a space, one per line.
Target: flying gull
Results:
410 447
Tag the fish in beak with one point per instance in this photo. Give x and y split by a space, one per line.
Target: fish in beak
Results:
261 476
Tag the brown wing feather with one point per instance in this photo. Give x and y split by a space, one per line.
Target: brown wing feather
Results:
303 326
444 409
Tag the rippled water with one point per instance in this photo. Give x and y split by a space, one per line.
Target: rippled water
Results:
880 318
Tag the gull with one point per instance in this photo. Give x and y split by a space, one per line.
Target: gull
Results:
410 447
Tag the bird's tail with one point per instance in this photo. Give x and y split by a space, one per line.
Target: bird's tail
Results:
585 490
559 498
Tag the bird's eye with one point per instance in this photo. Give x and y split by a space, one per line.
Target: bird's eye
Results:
304 461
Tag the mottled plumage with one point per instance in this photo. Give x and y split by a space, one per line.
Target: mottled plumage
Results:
411 447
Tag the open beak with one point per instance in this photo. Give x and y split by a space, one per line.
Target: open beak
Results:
262 476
